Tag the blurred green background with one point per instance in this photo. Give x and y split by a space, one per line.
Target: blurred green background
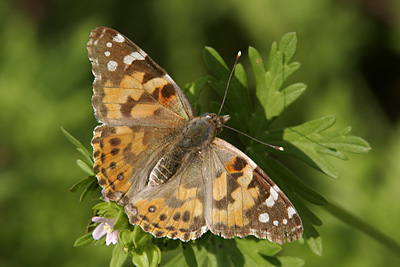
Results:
350 56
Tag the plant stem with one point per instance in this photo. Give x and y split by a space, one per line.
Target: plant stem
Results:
357 223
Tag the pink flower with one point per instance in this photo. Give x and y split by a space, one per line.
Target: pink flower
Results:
106 199
105 227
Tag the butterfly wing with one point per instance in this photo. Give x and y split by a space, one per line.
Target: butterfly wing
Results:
243 200
175 208
129 87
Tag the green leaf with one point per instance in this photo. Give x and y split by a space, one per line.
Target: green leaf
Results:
86 168
101 206
272 97
125 237
215 63
119 256
238 252
288 45
84 240
149 256
253 249
193 90
111 210
76 187
239 104
87 157
188 253
174 258
93 186
287 179
310 140
140 237
121 222
313 239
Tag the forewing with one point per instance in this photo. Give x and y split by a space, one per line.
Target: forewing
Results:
129 87
244 200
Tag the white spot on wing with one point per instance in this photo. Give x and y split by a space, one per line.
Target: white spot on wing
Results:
112 65
291 212
274 193
270 201
276 223
118 38
284 221
109 44
133 56
263 217
107 53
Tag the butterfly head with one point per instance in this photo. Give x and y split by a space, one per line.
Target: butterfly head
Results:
218 121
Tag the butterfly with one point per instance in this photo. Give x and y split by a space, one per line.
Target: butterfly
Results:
165 165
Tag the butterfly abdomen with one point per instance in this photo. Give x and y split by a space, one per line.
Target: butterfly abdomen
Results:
167 166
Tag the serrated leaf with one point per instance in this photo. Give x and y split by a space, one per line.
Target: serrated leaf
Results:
281 174
84 240
236 252
288 45
239 104
269 81
310 140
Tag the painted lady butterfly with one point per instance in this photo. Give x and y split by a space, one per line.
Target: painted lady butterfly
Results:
174 177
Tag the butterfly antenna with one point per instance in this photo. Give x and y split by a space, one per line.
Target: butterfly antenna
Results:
229 80
252 138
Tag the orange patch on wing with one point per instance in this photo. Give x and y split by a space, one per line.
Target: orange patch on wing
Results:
151 85
220 216
134 82
220 187
229 166
137 144
246 178
184 193
244 200
118 95
144 110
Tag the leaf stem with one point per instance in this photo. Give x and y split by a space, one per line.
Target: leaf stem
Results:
367 229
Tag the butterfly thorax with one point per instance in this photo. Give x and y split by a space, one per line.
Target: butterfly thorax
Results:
197 134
